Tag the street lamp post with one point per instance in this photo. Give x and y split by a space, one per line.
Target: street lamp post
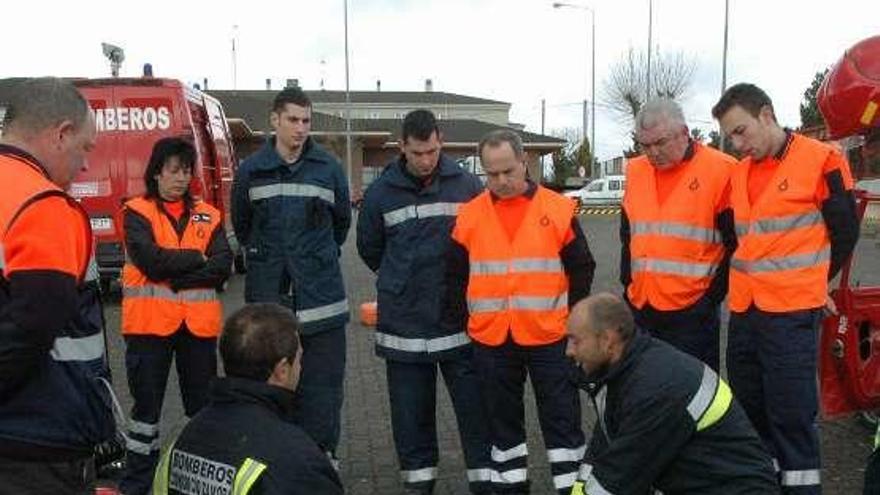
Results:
347 105
722 143
557 5
650 42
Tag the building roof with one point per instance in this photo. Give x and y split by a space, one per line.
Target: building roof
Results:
382 97
253 108
454 130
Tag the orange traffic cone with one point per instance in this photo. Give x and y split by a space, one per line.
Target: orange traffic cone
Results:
369 313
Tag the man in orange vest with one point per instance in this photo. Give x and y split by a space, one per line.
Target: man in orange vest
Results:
54 395
676 232
517 263
796 225
177 257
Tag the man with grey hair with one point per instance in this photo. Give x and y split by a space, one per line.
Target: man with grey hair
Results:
517 257
677 233
666 421
53 401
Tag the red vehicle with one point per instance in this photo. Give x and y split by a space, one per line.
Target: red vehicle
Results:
131 114
849 362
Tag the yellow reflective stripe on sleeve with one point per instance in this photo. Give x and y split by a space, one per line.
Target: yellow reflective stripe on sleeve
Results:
868 114
578 488
718 407
246 476
160 479
877 438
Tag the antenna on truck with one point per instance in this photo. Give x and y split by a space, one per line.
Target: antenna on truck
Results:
116 55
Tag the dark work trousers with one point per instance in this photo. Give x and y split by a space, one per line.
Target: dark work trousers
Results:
771 364
503 370
147 362
412 390
694 330
319 395
74 477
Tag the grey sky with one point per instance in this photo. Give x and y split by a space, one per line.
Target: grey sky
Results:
515 51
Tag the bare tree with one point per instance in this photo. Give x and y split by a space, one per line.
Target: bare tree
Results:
625 88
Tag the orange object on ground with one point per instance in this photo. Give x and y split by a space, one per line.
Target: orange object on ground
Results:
369 313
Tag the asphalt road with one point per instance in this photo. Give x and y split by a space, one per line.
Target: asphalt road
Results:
369 464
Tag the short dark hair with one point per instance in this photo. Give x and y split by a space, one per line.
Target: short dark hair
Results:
500 136
255 338
748 96
35 104
293 95
164 149
608 312
419 124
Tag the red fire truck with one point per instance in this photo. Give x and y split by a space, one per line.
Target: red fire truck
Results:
131 114
849 99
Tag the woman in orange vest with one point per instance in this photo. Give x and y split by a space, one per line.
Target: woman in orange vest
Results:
177 259
796 224
518 261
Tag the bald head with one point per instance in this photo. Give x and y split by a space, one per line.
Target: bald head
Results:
602 312
599 328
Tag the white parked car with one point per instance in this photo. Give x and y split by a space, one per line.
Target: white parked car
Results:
601 192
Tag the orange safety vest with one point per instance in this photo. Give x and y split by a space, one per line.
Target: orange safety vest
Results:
782 260
24 182
675 248
152 308
518 287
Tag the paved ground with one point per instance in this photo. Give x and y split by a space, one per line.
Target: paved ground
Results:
369 463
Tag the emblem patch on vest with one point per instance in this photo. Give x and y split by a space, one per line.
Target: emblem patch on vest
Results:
694 185
783 186
201 218
544 221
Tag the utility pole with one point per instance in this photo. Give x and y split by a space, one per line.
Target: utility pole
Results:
543 118
650 49
234 58
347 105
723 142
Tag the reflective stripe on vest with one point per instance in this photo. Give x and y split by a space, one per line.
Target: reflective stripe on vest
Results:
781 263
711 401
422 345
675 229
323 312
163 292
291 190
2 259
80 349
527 303
683 268
779 224
429 210
247 474
521 265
